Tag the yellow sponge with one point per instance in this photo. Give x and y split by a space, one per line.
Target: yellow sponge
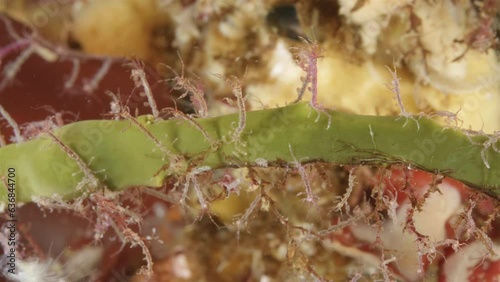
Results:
115 27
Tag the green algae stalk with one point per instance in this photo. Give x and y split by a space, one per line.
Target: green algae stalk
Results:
121 155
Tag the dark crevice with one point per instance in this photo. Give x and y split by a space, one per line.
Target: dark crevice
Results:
285 21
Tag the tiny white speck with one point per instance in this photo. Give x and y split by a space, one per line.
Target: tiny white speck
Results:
261 162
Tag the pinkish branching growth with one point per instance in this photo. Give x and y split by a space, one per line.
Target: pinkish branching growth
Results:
490 143
466 226
311 198
12 123
93 83
191 178
427 250
391 203
307 60
483 37
194 89
358 212
180 115
166 152
70 82
176 163
395 87
354 277
13 47
32 129
110 213
116 107
243 220
107 209
386 273
25 44
343 200
138 75
449 117
488 223
230 183
11 69
157 193
199 194
33 43
89 180
240 101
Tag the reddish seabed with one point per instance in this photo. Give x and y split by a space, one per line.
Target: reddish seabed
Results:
403 184
38 89
38 92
